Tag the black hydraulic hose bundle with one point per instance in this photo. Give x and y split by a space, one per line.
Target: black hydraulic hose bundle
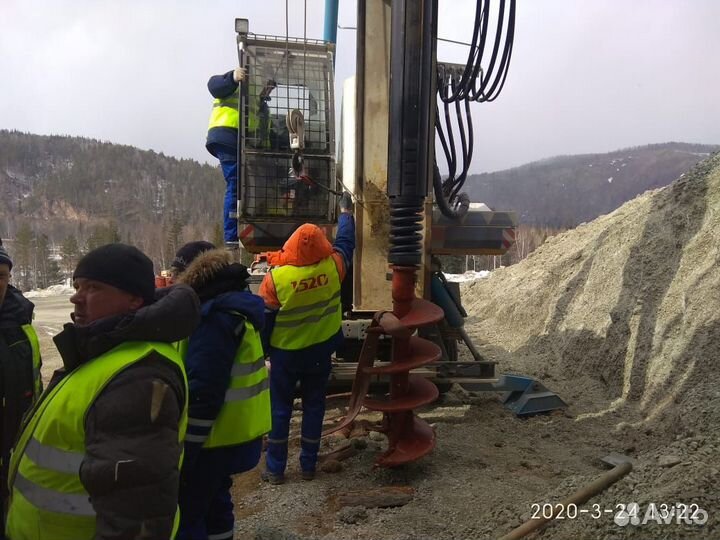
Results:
492 79
451 202
452 184
467 148
460 204
475 84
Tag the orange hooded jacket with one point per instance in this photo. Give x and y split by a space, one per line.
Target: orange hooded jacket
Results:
307 245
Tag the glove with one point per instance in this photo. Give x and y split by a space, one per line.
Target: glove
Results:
239 74
345 203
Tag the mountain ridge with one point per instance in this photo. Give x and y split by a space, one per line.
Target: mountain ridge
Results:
566 190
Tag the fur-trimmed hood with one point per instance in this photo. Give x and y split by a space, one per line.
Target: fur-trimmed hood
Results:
211 268
222 284
205 268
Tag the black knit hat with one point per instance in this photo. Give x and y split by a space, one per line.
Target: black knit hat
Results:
186 254
4 257
122 266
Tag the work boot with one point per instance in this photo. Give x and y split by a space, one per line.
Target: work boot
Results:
308 475
274 479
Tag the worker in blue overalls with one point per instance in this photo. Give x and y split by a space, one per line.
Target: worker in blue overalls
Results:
229 401
222 136
302 330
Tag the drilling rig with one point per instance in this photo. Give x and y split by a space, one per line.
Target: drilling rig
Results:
402 320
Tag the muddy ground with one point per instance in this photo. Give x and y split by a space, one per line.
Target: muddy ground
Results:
620 317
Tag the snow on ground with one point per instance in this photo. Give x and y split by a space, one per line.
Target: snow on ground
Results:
470 275
53 290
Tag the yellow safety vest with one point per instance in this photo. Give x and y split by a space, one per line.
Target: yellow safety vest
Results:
225 114
36 360
245 415
47 498
310 310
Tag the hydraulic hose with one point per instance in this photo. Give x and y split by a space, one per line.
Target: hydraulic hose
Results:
451 202
477 84
474 84
462 203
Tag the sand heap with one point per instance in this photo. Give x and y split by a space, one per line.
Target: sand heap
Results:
628 303
620 316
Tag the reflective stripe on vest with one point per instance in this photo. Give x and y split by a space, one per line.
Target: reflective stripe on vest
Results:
245 414
36 361
52 458
47 498
310 310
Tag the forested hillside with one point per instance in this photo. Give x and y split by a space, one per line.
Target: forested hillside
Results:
75 192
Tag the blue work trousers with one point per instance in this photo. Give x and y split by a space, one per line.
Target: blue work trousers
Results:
312 374
228 163
206 507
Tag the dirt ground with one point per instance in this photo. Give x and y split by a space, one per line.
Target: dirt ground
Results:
620 318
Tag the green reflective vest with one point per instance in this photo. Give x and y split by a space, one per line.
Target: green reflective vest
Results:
245 415
36 361
47 498
310 310
225 114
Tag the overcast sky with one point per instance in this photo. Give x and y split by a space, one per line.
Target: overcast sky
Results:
586 76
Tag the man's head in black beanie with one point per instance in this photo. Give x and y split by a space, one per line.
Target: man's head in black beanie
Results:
186 254
112 280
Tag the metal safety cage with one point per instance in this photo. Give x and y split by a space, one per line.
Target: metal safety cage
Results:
285 75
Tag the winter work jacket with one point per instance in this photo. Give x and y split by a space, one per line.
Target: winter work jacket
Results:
228 380
99 456
20 382
222 136
302 292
